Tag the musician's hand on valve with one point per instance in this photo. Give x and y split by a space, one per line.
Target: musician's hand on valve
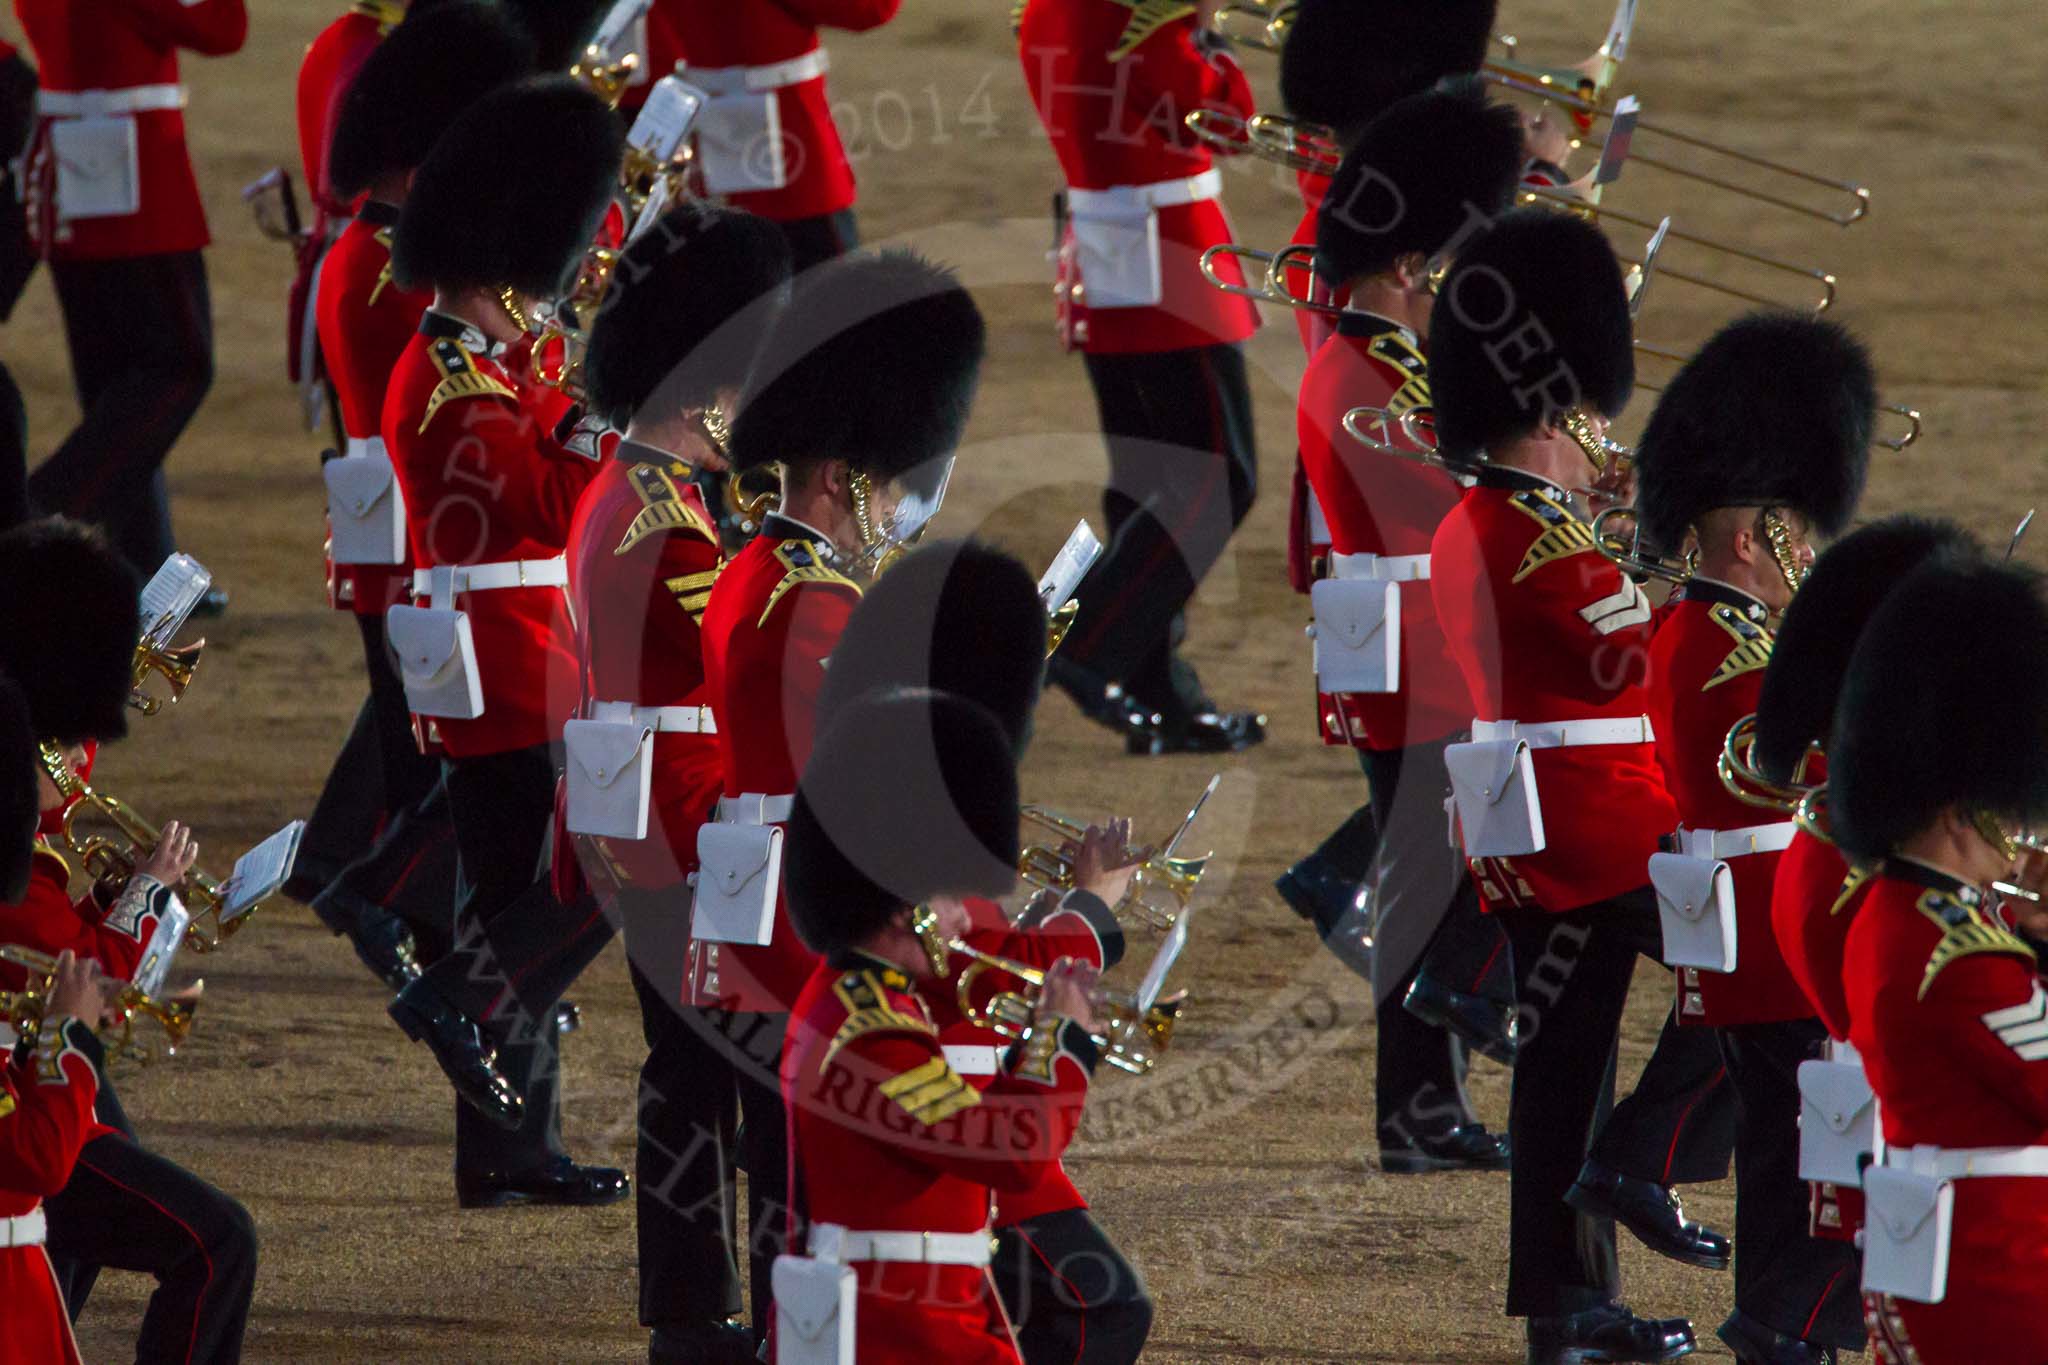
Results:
173 856
1545 138
1616 486
78 989
1069 991
1104 861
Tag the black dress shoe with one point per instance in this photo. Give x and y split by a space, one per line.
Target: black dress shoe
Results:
561 1181
701 1343
459 1046
1317 891
1468 1147
568 1018
1203 732
1486 1027
1608 1333
1101 700
213 603
1649 1210
386 948
1756 1344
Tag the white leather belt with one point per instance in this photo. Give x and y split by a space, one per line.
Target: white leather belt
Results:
1381 568
737 80
1717 844
136 99
831 1242
664 720
753 808
23 1230
1566 734
512 573
359 446
972 1059
1959 1163
1135 199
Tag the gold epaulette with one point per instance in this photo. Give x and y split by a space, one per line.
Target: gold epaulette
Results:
1147 17
1752 645
865 993
1563 533
1395 349
460 378
1857 878
932 1092
1965 931
801 564
662 506
1017 17
387 13
382 237
6 1103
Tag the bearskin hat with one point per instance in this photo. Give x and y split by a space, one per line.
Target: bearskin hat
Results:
432 67
1544 290
908 795
958 616
1419 173
1776 410
20 793
873 362
512 193
1850 580
69 623
1946 704
688 305
561 29
1346 61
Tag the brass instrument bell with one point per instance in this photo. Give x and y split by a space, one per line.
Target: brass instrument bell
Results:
1736 765
25 1009
1160 889
1130 1040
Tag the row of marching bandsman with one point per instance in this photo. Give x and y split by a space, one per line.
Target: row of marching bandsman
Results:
1856 966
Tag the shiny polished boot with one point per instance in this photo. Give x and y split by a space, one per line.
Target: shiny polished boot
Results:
1487 1028
1609 1332
561 1181
568 1018
700 1343
1756 1344
1199 732
1649 1210
382 940
1467 1147
1101 699
458 1044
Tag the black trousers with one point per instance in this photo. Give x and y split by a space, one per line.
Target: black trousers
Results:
140 331
1574 971
1183 471
13 452
813 241
127 1208
409 872
1677 1127
1789 1281
1069 1293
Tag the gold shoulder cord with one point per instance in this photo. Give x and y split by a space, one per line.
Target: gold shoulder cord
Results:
1965 932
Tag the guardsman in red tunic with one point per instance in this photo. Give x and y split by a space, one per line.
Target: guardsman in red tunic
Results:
115 210
1939 760
1423 175
405 95
686 310
898 1154
1112 83
489 495
1559 799
766 141
964 618
1740 499
659 47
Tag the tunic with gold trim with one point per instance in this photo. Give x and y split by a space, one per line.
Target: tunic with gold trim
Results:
48 920
1814 899
1952 1022
46 1116
889 1138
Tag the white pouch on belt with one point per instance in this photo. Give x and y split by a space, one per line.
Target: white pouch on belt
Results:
1837 1121
1906 1230
814 1311
609 778
99 172
437 660
1117 248
365 508
739 142
739 870
1358 634
1696 902
1494 784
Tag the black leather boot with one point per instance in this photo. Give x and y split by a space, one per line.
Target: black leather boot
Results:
1649 1210
459 1045
1756 1344
1487 1028
1609 1332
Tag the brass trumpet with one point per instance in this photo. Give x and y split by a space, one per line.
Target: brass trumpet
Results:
25 1009
1160 889
1130 1040
1739 774
176 666
1254 24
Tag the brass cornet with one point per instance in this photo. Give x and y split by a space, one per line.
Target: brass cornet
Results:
176 666
25 1009
1130 1040
1160 889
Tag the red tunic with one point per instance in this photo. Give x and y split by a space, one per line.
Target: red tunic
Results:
1546 629
1813 903
664 50
1382 505
643 554
1706 668
722 35
1316 328
49 921
773 620
366 321
1942 995
112 46
1112 90
485 484
887 1137
330 65
46 1116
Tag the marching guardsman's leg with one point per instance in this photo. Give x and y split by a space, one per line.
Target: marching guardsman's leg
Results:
13 453
349 813
397 901
1069 1293
1330 888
